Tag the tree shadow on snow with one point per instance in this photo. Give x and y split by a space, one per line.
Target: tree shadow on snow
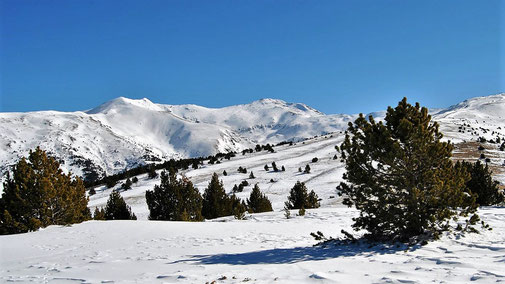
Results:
293 255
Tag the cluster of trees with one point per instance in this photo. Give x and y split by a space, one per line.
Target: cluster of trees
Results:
401 178
274 168
176 199
150 169
38 194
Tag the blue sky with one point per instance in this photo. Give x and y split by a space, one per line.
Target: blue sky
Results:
336 56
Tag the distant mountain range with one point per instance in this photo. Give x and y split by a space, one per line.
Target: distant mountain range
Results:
123 132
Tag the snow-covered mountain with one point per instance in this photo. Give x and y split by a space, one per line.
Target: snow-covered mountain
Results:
123 132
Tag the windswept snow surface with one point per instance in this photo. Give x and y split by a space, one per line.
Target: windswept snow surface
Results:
266 248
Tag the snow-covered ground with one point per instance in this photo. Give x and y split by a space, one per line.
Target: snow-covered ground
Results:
266 248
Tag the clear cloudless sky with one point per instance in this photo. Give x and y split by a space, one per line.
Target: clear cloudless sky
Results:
336 56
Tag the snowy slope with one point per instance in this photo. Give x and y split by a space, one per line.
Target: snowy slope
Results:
267 248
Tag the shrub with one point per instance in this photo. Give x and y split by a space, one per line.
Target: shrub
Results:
39 194
401 178
314 160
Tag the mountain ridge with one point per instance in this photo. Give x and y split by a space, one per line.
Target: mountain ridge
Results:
122 133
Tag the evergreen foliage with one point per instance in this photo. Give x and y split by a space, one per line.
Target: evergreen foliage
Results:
266 168
315 159
251 175
481 183
299 197
215 200
99 214
225 173
127 184
39 194
400 176
174 199
283 169
152 172
116 208
307 169
274 167
258 202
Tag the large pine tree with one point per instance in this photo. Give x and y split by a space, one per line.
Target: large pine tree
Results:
39 194
400 176
175 199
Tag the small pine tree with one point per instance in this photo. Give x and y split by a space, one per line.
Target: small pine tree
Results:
481 183
266 168
99 214
300 169
307 169
298 197
274 167
127 184
301 212
315 159
258 202
287 213
92 191
251 175
116 208
135 180
215 199
225 173
283 169
152 172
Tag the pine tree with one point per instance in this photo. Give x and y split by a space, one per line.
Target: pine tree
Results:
274 167
225 173
266 168
481 183
283 169
116 208
400 176
99 214
251 175
175 199
298 197
258 202
152 172
307 169
127 184
39 194
215 199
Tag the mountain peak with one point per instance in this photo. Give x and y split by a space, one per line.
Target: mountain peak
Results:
122 103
